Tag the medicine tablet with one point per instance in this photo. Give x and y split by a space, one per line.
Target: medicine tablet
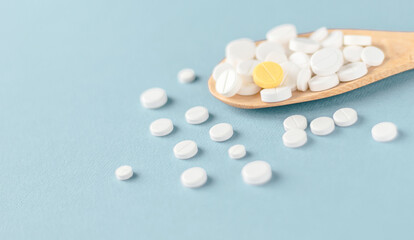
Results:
194 177
161 127
318 83
154 98
345 117
221 132
248 89
185 149
294 138
196 115
275 94
268 75
186 75
124 172
305 45
277 57
322 126
220 68
352 71
301 59
228 84
357 40
352 53
245 69
334 40
239 50
266 47
237 151
372 56
256 173
320 34
384 132
291 72
282 33
326 61
295 122
304 77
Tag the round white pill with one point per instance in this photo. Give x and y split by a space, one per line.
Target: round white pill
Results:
228 84
301 59
256 173
322 126
326 61
275 94
124 172
266 47
186 75
220 68
320 34
345 117
154 98
384 132
194 177
303 79
185 149
290 72
305 45
372 56
334 40
221 132
245 69
282 33
161 127
248 89
352 53
318 83
239 50
352 71
357 40
196 115
294 138
276 56
295 122
237 151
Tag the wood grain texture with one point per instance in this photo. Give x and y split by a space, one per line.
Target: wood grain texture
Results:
399 57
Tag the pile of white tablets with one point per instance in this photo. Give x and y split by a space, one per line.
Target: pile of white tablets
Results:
317 63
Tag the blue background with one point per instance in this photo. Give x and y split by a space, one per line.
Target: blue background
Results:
71 73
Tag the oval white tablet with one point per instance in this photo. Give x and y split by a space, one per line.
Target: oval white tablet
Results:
305 45
248 89
384 132
245 69
334 40
154 98
161 127
275 94
326 61
186 75
301 59
357 40
295 122
266 47
228 84
352 53
196 115
322 126
185 149
282 33
345 117
318 83
304 77
194 177
290 71
294 138
237 151
221 132
239 50
220 68
276 56
124 172
352 71
320 34
256 173
372 56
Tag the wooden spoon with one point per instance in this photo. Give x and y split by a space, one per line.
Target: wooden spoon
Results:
398 48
